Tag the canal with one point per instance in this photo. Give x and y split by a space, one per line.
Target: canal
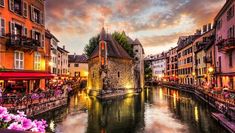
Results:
155 110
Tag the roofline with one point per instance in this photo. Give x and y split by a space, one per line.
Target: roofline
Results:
61 49
223 9
51 35
124 58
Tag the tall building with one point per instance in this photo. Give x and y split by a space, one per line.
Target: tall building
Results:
172 65
185 59
225 41
62 62
158 65
78 66
203 58
53 43
24 55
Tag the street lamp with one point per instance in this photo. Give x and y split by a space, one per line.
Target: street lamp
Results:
211 70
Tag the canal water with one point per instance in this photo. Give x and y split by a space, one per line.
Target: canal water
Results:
155 110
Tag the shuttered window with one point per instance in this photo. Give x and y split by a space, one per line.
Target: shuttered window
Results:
25 10
2 27
2 3
11 5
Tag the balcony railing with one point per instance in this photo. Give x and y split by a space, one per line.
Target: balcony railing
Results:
226 44
22 42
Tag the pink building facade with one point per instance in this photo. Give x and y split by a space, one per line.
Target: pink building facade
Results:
225 46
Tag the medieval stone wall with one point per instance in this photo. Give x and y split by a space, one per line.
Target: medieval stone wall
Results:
94 78
120 73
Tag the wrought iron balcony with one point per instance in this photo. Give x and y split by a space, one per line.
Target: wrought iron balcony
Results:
22 43
226 45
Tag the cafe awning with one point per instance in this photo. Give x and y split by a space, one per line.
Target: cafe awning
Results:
25 75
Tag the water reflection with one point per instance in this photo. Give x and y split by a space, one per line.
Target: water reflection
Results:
158 110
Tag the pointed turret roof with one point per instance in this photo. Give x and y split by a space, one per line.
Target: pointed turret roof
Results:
137 41
114 49
102 34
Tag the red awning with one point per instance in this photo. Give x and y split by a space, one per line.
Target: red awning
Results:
25 75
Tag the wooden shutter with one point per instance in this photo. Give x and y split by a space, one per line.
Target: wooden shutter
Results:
25 9
32 13
41 18
11 5
2 27
33 34
25 31
42 40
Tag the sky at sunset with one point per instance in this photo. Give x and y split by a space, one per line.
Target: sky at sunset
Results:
156 23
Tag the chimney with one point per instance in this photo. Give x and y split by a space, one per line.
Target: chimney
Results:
209 26
198 32
204 28
64 47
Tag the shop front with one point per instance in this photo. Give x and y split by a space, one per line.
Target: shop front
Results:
24 82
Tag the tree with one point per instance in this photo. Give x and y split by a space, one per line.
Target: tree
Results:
147 71
90 47
121 38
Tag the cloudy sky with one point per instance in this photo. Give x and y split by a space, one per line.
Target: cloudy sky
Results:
156 23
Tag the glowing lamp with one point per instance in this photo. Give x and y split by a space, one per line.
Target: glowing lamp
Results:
211 69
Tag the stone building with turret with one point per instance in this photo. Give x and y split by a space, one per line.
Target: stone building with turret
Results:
111 67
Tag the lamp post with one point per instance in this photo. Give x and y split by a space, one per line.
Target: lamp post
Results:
211 70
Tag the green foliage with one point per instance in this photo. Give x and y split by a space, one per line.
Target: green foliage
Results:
89 48
121 38
147 71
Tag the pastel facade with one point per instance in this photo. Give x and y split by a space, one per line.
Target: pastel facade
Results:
185 59
62 62
172 65
78 66
203 57
225 42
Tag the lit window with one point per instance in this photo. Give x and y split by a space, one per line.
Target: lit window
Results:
37 61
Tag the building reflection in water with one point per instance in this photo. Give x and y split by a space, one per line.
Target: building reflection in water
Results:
154 110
